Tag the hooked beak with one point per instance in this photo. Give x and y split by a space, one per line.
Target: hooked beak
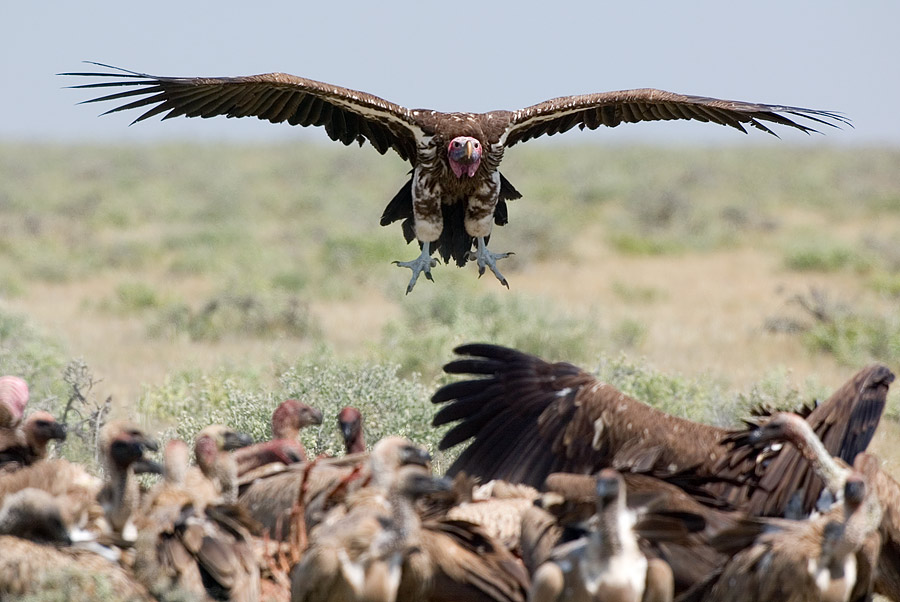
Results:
411 454
234 440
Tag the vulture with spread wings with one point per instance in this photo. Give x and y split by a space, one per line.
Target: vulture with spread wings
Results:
456 193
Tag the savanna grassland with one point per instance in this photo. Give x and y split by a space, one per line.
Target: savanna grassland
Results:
199 283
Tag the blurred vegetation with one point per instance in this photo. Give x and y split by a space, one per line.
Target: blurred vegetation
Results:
211 243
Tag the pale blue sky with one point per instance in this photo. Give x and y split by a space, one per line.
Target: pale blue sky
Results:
465 55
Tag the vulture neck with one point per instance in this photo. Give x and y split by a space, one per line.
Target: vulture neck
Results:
612 534
813 450
122 497
222 470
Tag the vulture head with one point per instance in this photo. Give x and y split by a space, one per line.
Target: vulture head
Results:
291 416
177 458
122 445
464 154
210 446
13 397
392 453
40 428
33 514
350 422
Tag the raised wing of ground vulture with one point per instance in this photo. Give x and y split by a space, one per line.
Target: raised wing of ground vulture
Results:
456 192
527 417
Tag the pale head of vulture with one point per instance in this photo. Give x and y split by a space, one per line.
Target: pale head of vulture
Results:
122 444
13 397
391 453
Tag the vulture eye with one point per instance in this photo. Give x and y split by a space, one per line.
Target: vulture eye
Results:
456 144
476 145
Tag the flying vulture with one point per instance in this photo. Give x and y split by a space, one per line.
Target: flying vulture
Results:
456 192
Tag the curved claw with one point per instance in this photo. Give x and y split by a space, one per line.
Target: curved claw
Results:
486 259
423 263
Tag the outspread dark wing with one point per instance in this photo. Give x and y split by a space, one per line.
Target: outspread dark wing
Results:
347 115
845 423
528 418
630 106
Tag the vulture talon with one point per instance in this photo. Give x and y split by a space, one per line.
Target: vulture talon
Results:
423 263
487 259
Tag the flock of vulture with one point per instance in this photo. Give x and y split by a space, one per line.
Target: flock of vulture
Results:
568 490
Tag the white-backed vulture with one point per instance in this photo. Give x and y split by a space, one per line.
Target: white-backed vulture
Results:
607 563
821 559
190 547
212 447
456 193
834 472
121 444
373 552
37 430
674 526
37 557
285 447
350 421
528 418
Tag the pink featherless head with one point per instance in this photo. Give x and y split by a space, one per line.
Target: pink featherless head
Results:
14 395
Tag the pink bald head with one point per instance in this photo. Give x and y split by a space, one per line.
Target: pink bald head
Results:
464 154
291 416
13 397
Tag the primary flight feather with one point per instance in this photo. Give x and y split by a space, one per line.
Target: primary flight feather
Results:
456 193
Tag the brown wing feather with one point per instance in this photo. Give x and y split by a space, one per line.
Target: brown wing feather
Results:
845 423
529 418
347 115
630 106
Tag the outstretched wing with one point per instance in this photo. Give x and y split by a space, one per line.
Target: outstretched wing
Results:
612 108
347 115
527 418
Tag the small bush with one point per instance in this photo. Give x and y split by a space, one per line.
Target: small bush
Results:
231 314
818 255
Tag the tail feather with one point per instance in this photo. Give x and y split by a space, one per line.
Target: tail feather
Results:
454 242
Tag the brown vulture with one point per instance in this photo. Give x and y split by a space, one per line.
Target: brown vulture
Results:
528 418
455 157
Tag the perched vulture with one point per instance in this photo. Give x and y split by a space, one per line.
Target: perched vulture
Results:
826 558
285 447
528 418
607 563
30 444
835 472
40 561
456 192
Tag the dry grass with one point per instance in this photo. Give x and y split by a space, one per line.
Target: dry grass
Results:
706 270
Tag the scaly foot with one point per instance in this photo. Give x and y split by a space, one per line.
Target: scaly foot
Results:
423 263
485 258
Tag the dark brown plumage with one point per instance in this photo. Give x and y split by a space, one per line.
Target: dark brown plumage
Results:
528 418
456 192
845 424
833 473
822 559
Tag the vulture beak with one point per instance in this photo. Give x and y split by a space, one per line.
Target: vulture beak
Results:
58 431
235 440
347 430
464 154
315 416
147 466
410 454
